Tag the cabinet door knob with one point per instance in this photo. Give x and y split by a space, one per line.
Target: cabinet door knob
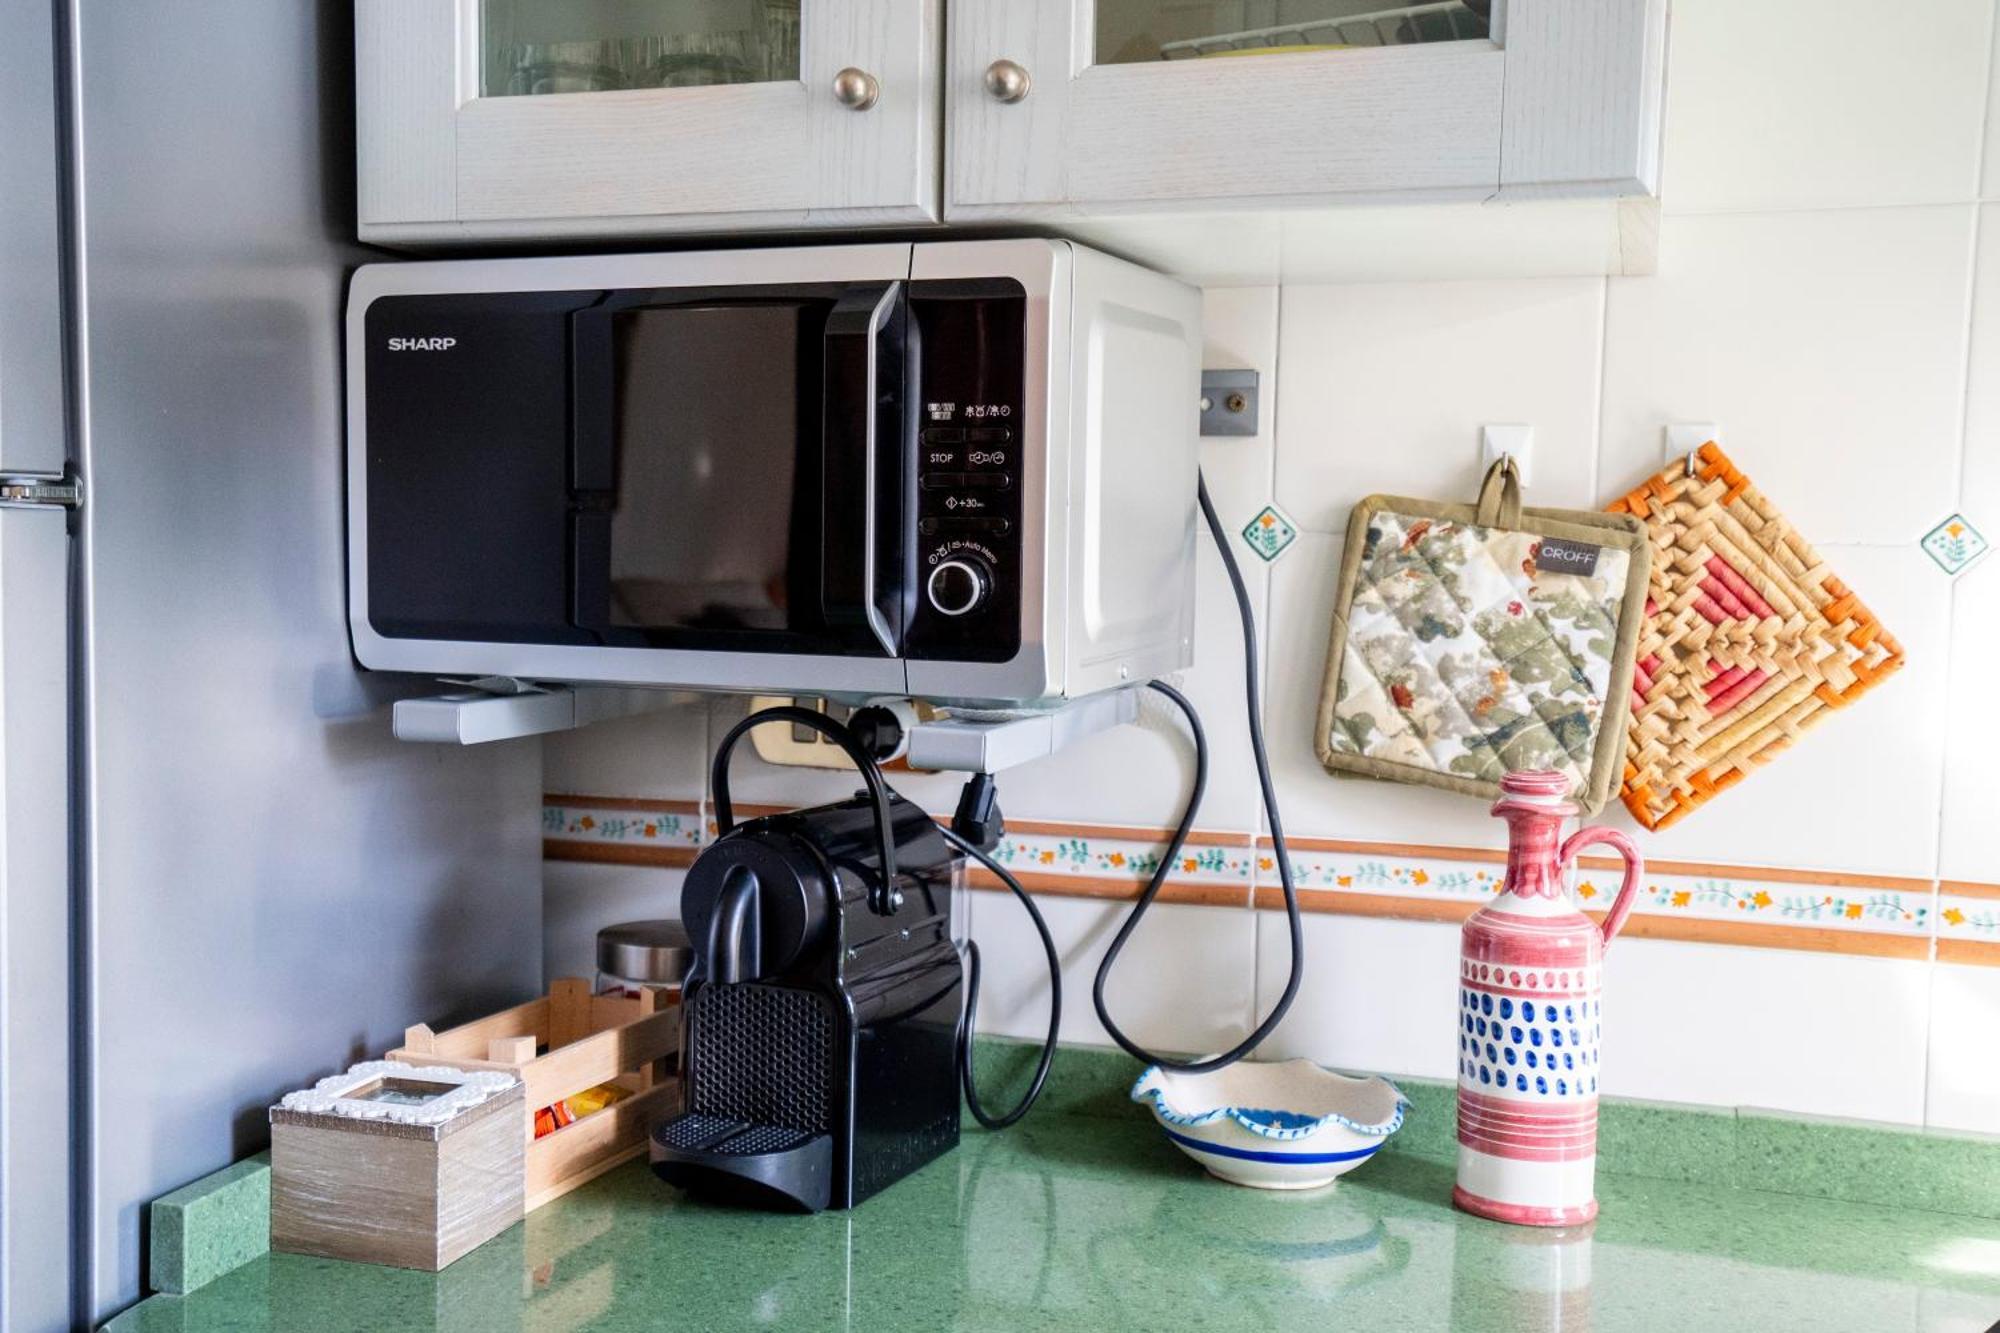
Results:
1007 81
856 89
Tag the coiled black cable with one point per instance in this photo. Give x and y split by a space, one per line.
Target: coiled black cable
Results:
1159 877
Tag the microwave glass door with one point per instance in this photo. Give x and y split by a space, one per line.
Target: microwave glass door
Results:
536 47
716 522
725 446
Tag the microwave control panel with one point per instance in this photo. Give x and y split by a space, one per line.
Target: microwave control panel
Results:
969 395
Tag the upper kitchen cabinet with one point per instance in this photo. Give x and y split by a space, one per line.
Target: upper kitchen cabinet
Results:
544 119
1239 130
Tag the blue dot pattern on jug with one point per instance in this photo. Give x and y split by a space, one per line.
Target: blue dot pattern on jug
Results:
1519 1056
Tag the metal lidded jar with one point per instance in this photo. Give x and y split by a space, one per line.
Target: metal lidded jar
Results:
636 955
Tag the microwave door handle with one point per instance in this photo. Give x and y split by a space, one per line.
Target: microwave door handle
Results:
849 463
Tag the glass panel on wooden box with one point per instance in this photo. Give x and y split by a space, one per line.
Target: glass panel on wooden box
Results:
531 47
1129 31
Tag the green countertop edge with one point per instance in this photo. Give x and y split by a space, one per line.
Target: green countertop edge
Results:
209 1227
203 1230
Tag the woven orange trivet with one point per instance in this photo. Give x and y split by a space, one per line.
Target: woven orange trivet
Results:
1749 639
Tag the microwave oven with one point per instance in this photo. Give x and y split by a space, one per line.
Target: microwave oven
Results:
959 471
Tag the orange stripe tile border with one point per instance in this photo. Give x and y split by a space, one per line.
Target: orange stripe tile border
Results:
616 854
645 803
1977 953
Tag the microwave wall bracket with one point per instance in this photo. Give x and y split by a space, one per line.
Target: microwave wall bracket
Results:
980 745
500 708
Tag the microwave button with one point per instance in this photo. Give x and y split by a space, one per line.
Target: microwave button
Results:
989 481
945 481
944 435
989 435
952 527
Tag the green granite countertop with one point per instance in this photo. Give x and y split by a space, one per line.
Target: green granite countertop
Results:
1085 1222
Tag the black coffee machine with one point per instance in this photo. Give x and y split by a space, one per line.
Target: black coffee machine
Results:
820 1020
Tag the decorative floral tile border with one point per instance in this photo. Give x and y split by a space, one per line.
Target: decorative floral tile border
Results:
617 828
1742 897
1775 908
1968 925
1096 856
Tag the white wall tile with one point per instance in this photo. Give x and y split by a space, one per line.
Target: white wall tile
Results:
1387 385
1830 348
1182 983
1860 790
1980 496
1969 833
1964 1075
658 755
579 899
1789 1031
1378 996
1783 104
1314 802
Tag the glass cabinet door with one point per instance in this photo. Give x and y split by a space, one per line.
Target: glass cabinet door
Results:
486 120
533 47
1130 31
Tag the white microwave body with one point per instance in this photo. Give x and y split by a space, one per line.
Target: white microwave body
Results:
956 471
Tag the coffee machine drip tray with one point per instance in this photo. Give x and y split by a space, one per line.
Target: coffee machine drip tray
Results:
736 1161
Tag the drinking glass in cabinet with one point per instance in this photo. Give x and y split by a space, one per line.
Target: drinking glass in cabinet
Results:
1129 31
532 47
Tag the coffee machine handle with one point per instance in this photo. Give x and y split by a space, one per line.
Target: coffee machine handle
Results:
882 897
1635 870
734 931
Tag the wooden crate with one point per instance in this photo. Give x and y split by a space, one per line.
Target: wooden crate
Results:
561 1044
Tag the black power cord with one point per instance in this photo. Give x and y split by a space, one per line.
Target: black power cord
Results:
1159 878
1048 1055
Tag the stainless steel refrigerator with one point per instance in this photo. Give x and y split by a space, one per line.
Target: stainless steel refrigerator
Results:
220 877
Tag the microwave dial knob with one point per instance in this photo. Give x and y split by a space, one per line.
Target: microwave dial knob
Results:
959 585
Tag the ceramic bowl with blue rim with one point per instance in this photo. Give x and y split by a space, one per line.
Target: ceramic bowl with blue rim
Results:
1287 1125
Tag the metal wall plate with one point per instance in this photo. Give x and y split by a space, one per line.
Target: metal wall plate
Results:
1229 402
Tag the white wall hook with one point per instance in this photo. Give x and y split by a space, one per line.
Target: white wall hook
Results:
1685 438
1517 442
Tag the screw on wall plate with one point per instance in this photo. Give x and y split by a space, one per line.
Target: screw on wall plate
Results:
1229 402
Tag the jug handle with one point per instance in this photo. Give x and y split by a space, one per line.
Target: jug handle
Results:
1635 870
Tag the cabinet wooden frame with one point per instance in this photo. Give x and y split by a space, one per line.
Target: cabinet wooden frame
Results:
1564 100
437 161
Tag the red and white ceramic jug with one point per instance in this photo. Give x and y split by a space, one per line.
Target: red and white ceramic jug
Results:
1529 991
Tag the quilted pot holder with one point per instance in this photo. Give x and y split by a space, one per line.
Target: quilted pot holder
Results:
1471 641
1749 639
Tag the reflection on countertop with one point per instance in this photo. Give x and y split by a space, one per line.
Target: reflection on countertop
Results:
1069 1222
